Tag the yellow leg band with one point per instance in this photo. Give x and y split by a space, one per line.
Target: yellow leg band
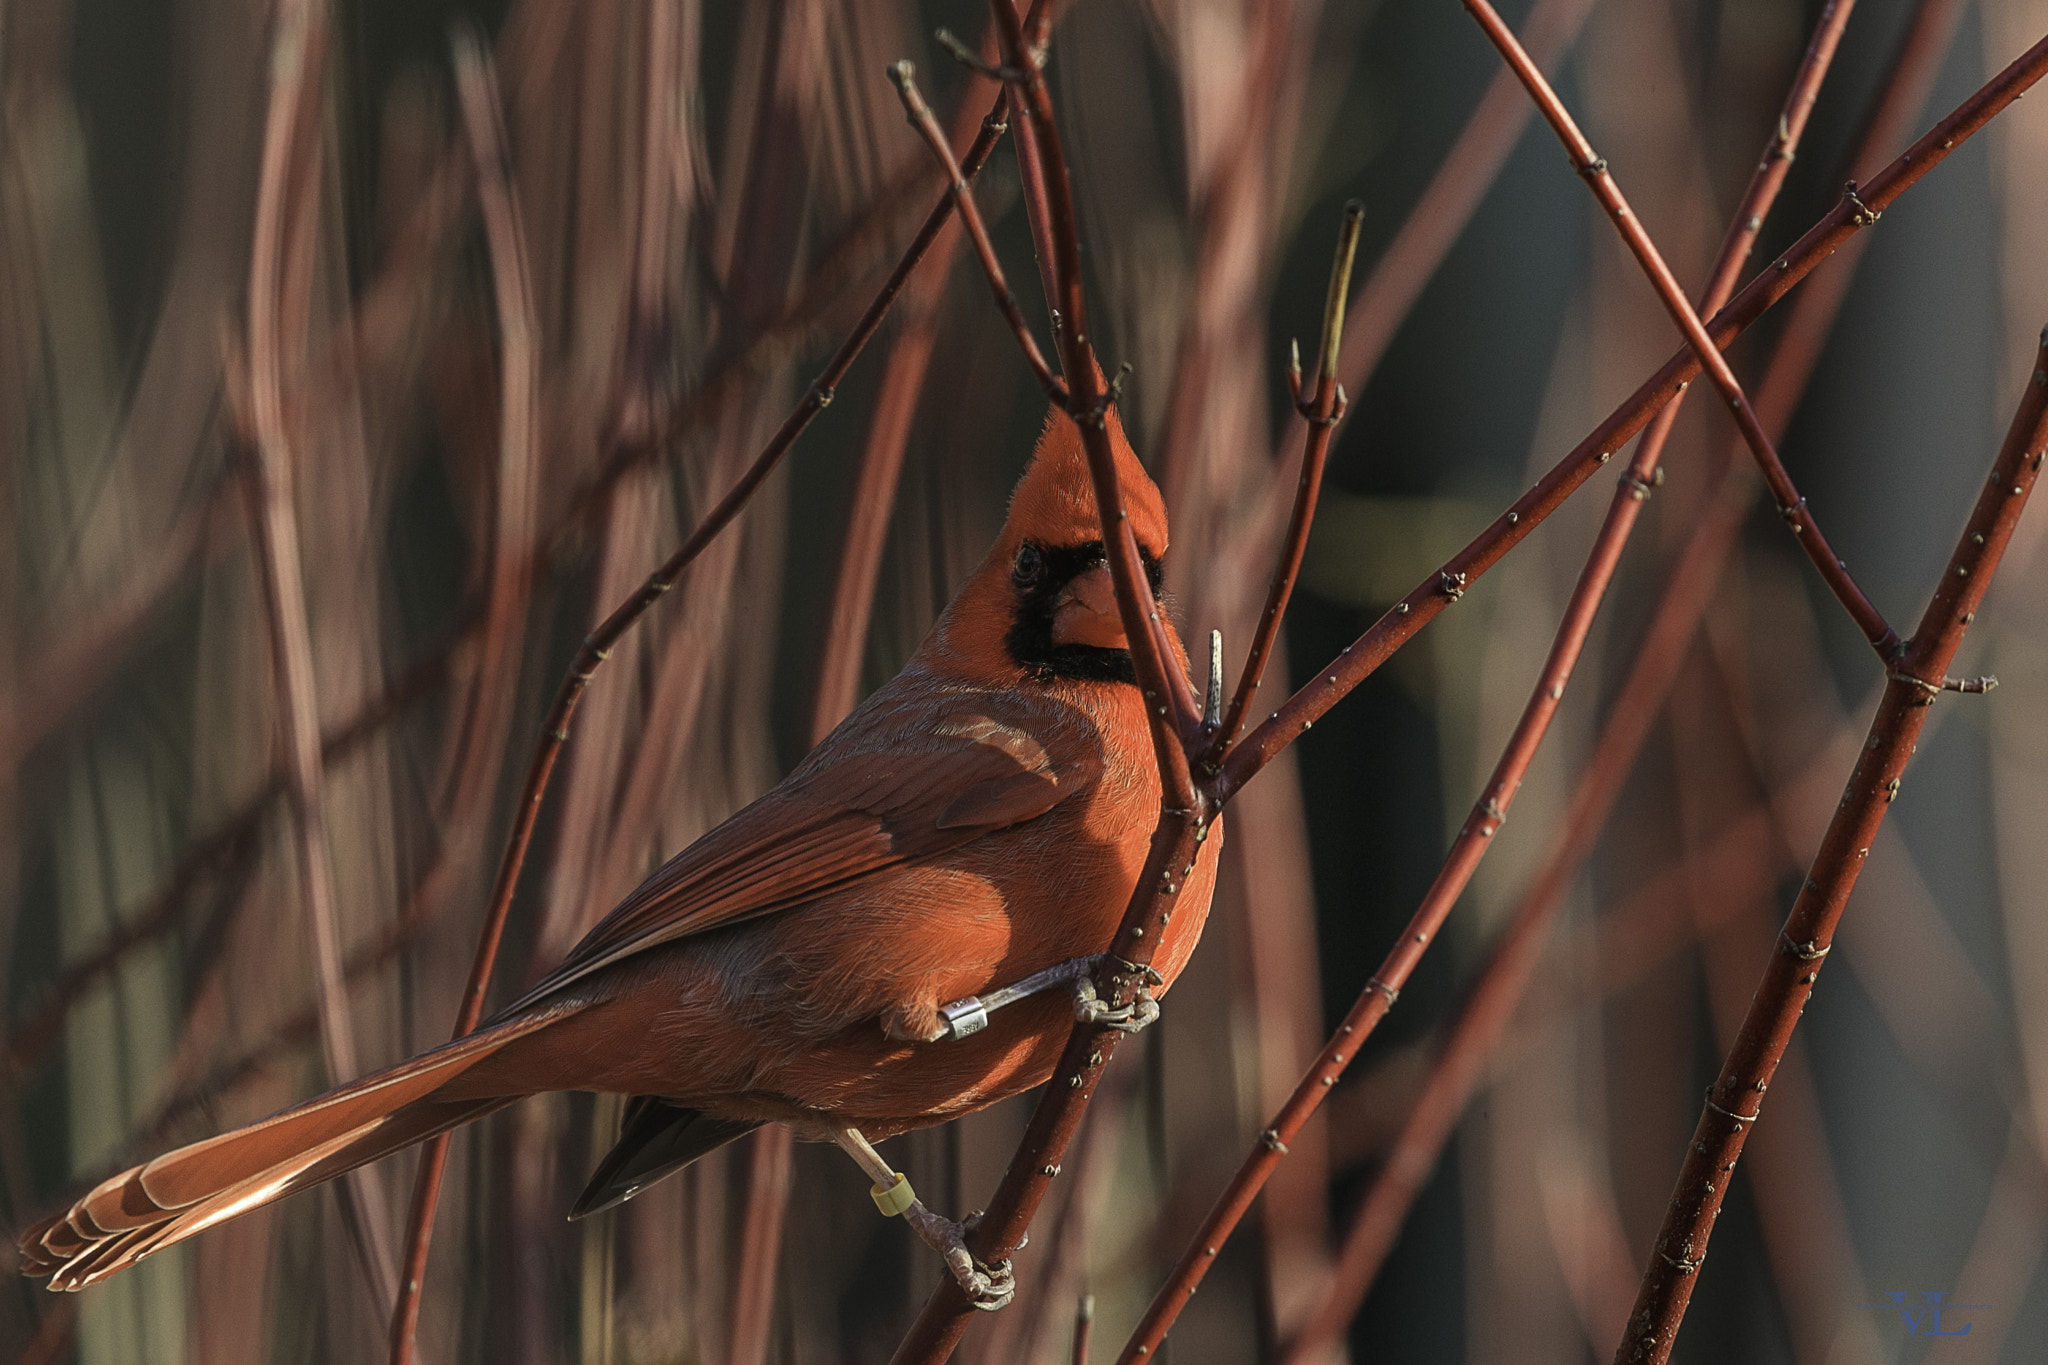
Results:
894 1199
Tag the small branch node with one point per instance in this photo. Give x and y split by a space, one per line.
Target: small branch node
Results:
1271 1137
1453 584
1375 984
1864 215
1971 685
1729 1113
1928 688
968 58
1592 169
1639 489
1813 950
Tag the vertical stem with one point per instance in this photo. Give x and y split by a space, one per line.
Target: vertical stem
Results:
1735 1100
296 35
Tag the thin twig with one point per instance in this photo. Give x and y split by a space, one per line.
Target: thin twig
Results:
1517 952
1321 414
1491 1003
920 115
1184 814
1735 1099
1484 1017
1422 604
1592 168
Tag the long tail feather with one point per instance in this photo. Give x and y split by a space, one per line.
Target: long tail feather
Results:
182 1193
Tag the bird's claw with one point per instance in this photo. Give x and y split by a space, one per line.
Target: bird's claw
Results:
1142 1012
987 1287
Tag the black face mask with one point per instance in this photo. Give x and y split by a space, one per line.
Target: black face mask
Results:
1039 574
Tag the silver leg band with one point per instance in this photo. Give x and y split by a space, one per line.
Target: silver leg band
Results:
964 1018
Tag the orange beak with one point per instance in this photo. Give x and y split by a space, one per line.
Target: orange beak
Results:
1085 612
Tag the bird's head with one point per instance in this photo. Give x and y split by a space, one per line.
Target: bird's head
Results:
1043 601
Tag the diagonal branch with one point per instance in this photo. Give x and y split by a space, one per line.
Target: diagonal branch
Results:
1423 603
1593 169
1322 414
920 115
1365 1245
1735 1100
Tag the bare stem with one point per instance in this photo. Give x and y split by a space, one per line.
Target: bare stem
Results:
1735 1100
1422 604
1593 169
920 116
477 88
1321 414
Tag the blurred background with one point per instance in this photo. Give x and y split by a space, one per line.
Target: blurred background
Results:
496 426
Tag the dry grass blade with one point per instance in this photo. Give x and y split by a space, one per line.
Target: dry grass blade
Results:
275 514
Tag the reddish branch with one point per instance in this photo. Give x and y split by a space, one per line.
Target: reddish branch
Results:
1593 169
1422 604
1322 414
1488 1009
1735 1099
1058 1114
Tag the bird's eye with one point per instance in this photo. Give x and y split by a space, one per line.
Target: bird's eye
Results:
1029 566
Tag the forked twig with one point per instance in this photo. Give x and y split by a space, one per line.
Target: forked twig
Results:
920 115
1735 1100
1593 169
1338 678
1322 414
1489 1006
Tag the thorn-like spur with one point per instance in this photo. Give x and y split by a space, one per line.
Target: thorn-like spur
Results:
987 1287
1212 703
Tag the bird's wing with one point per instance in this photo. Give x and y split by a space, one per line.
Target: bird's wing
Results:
914 780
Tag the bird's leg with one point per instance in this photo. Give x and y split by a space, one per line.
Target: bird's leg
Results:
963 1017
986 1287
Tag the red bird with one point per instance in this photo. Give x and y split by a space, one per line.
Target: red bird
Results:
816 960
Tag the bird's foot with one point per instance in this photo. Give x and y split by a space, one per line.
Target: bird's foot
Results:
1141 1013
987 1287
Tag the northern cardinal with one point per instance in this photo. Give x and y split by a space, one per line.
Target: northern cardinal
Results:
978 821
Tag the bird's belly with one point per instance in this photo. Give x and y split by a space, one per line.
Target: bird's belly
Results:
816 1013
